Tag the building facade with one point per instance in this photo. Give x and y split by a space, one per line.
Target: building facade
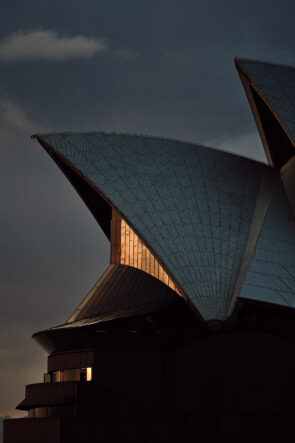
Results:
189 334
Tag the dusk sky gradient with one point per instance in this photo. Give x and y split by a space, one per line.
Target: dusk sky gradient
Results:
162 68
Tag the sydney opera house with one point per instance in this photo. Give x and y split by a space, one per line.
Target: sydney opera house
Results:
189 334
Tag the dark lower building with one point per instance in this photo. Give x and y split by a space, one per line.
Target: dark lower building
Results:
189 334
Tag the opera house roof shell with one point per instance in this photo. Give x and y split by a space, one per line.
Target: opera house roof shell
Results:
219 227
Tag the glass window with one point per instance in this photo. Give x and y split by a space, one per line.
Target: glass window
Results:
47 378
81 374
128 249
88 374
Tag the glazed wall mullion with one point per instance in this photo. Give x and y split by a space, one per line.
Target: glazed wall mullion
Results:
128 249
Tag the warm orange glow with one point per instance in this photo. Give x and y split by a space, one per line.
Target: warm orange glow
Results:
71 375
128 249
88 374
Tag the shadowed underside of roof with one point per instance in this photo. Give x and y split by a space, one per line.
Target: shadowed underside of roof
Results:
192 206
124 289
271 92
97 205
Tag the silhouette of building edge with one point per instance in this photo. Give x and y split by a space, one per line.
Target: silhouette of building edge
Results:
189 333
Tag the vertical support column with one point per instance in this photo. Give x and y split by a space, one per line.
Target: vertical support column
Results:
116 238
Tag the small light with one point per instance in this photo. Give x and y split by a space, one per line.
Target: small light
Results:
88 374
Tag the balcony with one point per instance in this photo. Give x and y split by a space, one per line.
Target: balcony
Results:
49 394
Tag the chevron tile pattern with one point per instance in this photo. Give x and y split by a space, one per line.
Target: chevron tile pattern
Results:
191 205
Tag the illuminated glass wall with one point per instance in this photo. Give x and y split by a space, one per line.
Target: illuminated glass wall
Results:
83 374
128 249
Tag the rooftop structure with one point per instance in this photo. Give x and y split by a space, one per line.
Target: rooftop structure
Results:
173 340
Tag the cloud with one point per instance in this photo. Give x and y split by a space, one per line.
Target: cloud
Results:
48 45
14 116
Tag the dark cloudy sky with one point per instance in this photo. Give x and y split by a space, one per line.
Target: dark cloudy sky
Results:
151 67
